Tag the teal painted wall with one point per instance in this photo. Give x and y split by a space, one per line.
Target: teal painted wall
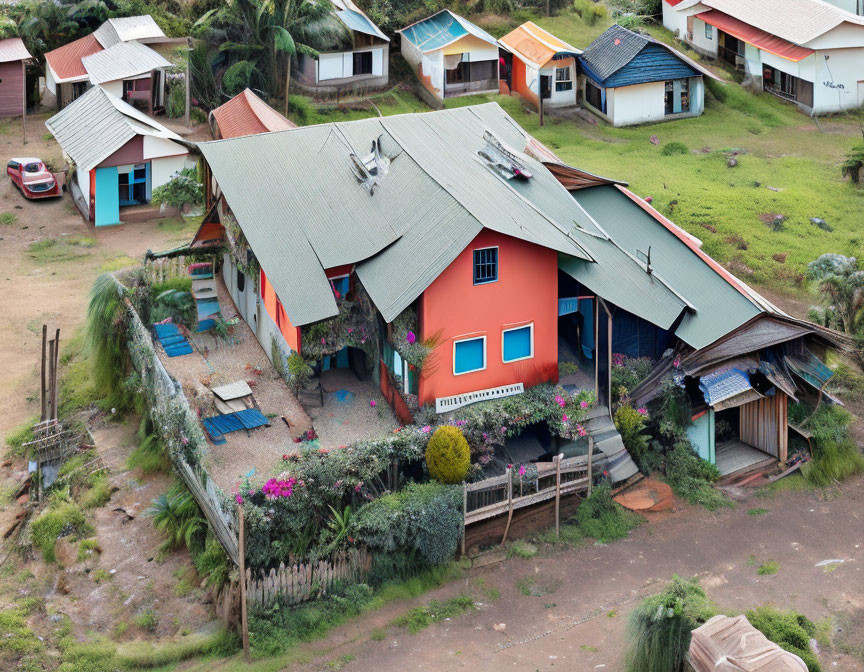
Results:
701 435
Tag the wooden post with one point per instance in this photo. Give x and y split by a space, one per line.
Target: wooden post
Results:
44 355
51 380
541 101
24 104
56 379
188 82
558 493
590 460
244 623
464 515
509 502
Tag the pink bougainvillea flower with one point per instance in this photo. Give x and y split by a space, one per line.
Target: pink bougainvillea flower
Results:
564 418
279 487
509 466
410 337
676 363
358 486
373 403
323 341
642 411
581 431
239 498
522 470
350 330
426 429
583 404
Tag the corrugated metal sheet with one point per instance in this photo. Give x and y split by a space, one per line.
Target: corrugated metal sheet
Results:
758 38
122 60
247 114
536 46
66 62
97 124
614 49
437 195
127 28
441 29
362 24
13 49
763 425
719 307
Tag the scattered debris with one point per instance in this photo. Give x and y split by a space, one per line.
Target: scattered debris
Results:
731 162
654 140
822 224
833 561
778 189
780 257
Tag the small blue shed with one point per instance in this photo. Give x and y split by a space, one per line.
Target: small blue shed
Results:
629 78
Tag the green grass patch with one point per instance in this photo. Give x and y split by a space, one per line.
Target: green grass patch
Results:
61 517
534 585
62 248
87 547
17 639
570 535
77 387
98 493
101 576
118 263
757 512
146 620
420 618
16 438
767 568
8 218
603 519
791 483
790 630
521 549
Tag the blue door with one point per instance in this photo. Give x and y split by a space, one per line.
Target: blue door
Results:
107 197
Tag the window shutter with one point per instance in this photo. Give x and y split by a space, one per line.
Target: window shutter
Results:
377 62
348 64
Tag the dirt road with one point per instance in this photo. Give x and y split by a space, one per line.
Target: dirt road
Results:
580 623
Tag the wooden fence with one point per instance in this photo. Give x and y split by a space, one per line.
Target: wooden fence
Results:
165 268
499 495
296 583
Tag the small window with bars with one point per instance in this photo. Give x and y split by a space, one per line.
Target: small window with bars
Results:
485 265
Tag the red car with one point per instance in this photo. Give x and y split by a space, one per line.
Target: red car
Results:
33 178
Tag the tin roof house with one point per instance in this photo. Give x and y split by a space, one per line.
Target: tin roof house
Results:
246 114
119 153
630 78
808 52
451 56
361 62
122 56
13 96
536 63
456 234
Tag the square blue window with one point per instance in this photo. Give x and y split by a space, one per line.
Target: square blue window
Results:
517 344
485 265
709 31
469 355
340 285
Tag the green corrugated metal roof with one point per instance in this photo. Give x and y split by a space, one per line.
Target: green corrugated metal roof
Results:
301 208
719 308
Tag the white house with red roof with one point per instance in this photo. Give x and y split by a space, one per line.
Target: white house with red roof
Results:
809 52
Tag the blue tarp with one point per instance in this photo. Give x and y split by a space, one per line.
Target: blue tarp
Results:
173 342
218 425
724 384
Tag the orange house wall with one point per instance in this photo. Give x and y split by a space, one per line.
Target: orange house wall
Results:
277 313
526 291
519 83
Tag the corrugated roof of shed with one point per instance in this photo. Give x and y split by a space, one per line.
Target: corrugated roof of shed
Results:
13 49
124 29
97 124
247 114
534 44
66 62
441 29
122 60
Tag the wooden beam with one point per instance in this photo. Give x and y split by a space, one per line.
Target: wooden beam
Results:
244 622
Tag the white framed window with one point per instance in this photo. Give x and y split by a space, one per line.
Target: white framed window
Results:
563 79
709 31
517 343
469 355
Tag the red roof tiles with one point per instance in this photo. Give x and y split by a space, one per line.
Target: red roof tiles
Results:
66 62
247 114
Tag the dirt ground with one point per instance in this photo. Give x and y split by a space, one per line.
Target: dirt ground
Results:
580 623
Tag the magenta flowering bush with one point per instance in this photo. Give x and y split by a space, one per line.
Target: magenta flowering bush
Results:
279 487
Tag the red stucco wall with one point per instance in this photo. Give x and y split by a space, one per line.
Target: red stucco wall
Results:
526 291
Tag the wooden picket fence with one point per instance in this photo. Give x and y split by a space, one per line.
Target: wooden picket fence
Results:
165 268
301 582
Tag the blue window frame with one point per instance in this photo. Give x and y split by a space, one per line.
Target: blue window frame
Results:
340 285
469 355
134 186
709 31
517 343
485 265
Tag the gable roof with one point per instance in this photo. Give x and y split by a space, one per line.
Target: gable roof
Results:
66 61
437 31
798 21
13 49
122 60
534 45
437 195
97 124
617 48
355 19
127 28
247 114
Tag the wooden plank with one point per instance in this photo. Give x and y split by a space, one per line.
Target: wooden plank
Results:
241 545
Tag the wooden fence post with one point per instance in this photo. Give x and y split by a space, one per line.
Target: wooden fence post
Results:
558 493
464 515
590 460
244 623
509 502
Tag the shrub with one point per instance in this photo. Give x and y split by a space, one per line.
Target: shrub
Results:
630 424
299 371
176 104
448 456
591 12
105 347
423 518
98 493
422 617
603 519
835 455
60 518
659 628
673 148
181 190
788 629
627 373
691 477
177 516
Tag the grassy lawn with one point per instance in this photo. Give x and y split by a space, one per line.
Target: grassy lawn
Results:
787 165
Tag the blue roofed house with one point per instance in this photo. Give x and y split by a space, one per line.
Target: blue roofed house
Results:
451 55
629 78
360 61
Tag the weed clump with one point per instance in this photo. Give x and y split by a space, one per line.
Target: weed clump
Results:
673 148
788 629
422 617
602 518
61 518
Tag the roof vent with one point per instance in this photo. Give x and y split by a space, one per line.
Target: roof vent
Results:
503 160
371 169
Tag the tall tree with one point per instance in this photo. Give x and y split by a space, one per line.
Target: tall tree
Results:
841 284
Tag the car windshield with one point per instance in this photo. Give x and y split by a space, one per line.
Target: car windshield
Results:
32 168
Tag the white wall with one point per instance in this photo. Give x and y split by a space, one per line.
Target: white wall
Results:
636 104
163 169
156 147
853 6
115 88
836 84
701 42
429 67
50 82
559 98
673 20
